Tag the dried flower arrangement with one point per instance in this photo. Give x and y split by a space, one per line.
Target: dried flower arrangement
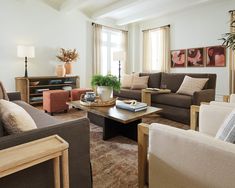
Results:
68 56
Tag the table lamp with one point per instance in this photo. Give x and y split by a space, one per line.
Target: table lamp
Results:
26 52
119 56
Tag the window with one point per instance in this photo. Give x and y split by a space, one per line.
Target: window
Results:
155 50
111 42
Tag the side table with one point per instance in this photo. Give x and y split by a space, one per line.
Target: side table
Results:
23 156
146 94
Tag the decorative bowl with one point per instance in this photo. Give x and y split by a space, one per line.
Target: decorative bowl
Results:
34 83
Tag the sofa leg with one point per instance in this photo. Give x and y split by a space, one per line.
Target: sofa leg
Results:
45 111
52 114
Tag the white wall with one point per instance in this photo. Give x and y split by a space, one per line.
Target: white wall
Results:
198 27
35 23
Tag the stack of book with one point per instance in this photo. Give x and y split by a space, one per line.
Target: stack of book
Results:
139 106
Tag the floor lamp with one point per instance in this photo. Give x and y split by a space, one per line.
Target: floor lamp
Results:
119 56
26 52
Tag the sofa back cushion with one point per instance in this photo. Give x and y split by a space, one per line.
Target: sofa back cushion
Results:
174 80
154 79
1 129
3 93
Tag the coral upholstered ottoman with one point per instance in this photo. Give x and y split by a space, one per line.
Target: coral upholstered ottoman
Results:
55 101
76 93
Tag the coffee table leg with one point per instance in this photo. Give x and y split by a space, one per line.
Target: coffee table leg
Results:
130 130
111 129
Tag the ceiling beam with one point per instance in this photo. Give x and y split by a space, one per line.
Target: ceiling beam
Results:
70 5
115 7
152 13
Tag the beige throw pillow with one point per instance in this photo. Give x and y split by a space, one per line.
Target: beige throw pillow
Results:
140 82
126 81
15 118
191 85
3 93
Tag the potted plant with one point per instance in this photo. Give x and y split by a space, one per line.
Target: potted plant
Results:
229 38
68 56
105 85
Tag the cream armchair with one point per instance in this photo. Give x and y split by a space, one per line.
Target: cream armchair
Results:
187 159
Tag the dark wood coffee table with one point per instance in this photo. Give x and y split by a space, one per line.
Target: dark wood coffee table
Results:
115 121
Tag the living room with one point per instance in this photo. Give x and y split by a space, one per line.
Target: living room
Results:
155 53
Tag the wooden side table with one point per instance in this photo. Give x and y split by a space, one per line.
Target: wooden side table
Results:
146 94
23 156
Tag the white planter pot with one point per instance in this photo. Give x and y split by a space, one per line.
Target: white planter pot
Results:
104 92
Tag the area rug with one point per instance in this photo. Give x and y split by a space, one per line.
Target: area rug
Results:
114 162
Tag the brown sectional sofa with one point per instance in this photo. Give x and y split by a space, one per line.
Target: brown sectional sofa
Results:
76 133
175 106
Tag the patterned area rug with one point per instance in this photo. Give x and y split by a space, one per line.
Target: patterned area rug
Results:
114 162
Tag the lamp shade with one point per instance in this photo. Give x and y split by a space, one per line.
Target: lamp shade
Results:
119 56
25 51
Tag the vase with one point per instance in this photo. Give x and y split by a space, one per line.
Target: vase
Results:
60 70
105 92
68 67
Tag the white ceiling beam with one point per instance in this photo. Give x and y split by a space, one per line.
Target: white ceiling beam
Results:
152 13
70 5
115 7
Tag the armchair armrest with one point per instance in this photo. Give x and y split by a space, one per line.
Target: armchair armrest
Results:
14 96
205 95
76 133
179 158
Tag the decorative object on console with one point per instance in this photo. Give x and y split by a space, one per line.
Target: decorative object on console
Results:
35 83
105 85
216 56
26 52
178 58
191 85
195 57
68 56
119 56
60 70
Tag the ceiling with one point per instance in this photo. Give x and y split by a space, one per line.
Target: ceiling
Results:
123 12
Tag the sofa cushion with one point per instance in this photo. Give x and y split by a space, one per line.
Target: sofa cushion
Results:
15 118
154 79
129 94
140 82
3 93
173 99
174 80
191 85
126 81
41 119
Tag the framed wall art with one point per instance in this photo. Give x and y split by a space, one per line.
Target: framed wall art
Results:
195 57
216 56
178 58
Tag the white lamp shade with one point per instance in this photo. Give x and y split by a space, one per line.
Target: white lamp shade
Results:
25 51
119 56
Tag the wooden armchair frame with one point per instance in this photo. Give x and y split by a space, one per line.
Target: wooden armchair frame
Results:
143 133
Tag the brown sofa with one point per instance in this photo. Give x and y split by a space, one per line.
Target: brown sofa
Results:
76 133
175 106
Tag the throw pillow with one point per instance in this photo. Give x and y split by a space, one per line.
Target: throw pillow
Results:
140 82
227 130
3 93
126 81
15 118
191 85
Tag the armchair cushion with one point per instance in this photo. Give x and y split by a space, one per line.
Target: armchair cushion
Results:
211 117
179 159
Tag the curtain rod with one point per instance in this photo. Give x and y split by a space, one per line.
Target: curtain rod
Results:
157 27
110 27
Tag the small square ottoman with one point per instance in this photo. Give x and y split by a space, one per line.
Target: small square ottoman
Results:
55 101
76 93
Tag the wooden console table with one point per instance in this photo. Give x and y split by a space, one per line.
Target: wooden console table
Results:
29 92
146 94
23 156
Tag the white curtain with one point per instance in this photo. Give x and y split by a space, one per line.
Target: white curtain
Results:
163 53
97 34
125 50
147 52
